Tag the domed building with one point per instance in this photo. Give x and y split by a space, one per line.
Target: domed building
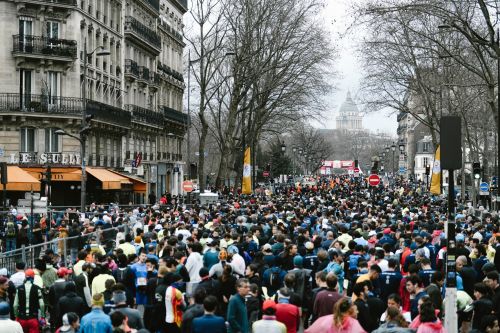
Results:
349 118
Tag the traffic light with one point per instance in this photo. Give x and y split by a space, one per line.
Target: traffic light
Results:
476 170
3 173
427 170
356 164
193 171
268 167
86 125
48 175
494 181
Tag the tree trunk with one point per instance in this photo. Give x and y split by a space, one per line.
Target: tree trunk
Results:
201 151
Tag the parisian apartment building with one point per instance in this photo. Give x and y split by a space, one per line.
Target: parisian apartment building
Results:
134 96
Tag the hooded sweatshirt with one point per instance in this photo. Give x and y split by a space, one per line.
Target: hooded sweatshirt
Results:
431 327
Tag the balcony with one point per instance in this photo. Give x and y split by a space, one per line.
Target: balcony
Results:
32 104
155 79
145 116
44 47
144 73
109 114
53 3
131 68
142 34
175 116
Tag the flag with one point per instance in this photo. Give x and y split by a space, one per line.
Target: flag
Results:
436 173
247 179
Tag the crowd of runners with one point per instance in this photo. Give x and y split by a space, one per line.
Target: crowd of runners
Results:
334 257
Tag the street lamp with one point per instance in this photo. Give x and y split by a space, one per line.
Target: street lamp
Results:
393 148
387 149
82 161
283 147
99 51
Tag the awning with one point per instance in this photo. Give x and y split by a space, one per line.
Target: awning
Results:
139 184
58 174
109 179
20 180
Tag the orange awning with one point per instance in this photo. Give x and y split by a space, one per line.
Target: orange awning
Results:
58 174
139 184
20 180
109 180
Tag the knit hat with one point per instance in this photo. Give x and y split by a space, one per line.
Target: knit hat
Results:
298 261
138 239
119 296
4 310
269 304
29 273
309 245
98 300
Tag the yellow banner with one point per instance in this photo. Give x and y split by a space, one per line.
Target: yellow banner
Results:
436 173
247 178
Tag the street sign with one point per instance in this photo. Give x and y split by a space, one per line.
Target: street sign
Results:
265 173
27 196
484 188
402 170
374 180
187 186
356 170
27 203
27 210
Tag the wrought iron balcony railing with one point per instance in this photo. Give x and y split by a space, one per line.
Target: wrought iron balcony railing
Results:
174 115
40 103
131 67
108 113
37 45
144 115
144 73
150 36
57 2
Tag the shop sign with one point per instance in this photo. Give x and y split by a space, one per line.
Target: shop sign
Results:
46 158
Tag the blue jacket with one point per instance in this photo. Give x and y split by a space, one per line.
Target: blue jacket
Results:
209 323
96 321
237 315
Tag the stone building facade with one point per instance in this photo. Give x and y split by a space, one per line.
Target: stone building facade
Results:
134 93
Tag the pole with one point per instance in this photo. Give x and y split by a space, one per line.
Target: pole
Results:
188 146
83 185
451 321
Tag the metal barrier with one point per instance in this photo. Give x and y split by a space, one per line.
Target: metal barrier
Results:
29 254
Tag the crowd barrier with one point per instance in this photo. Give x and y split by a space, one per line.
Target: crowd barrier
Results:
61 246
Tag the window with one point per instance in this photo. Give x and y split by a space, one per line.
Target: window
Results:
51 140
426 162
52 29
426 146
25 32
27 140
52 87
25 87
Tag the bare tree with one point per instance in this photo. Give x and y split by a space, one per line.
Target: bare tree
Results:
206 39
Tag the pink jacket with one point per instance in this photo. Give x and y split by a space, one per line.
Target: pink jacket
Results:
435 327
325 325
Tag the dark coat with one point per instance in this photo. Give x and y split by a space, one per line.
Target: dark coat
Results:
70 302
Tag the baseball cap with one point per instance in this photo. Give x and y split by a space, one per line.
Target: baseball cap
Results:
387 231
269 304
63 271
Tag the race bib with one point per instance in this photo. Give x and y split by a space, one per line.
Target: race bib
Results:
142 281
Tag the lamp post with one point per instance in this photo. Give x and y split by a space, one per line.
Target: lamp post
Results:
85 119
401 153
393 148
305 163
294 150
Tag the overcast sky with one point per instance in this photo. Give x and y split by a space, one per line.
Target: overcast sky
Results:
349 70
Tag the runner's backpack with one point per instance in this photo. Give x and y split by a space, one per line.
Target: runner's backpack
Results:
11 229
274 278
